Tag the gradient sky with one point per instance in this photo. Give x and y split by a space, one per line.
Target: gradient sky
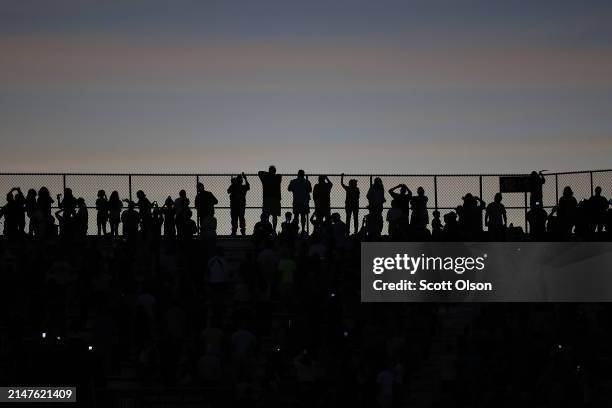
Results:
362 86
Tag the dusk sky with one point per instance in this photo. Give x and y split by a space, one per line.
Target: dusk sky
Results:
355 86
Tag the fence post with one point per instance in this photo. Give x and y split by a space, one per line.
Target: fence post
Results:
64 182
130 186
526 223
307 217
557 189
436 192
197 218
591 174
480 187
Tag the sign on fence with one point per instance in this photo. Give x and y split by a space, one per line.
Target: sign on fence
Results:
514 184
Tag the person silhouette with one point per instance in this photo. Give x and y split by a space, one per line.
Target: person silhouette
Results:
567 211
402 198
496 219
81 218
289 228
536 218
271 192
103 211
321 195
32 212
11 214
420 217
115 205
18 209
68 203
535 184
205 202
598 206
263 230
169 212
301 188
237 194
43 203
436 225
144 210
351 203
376 200
130 219
181 205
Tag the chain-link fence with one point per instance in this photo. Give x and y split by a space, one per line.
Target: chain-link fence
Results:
445 191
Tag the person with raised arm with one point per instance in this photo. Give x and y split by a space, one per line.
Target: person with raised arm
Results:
270 182
402 198
321 195
237 193
301 189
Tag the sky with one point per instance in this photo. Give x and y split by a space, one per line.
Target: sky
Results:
328 86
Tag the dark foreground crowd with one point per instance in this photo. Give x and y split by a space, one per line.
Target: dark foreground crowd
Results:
276 320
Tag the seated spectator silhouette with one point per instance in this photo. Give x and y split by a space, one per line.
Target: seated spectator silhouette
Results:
205 202
263 230
351 203
157 221
496 219
102 208
394 219
130 219
598 207
181 205
402 198
451 226
271 191
470 215
420 216
536 218
321 195
115 205
209 227
289 229
567 211
237 193
535 183
301 189
31 212
168 213
376 201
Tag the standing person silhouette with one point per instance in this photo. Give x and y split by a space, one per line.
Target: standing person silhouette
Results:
114 212
103 209
402 198
567 211
237 193
168 211
351 203
32 212
205 202
321 195
81 218
181 205
301 189
535 183
376 200
144 209
68 203
420 216
270 182
44 203
496 218
598 206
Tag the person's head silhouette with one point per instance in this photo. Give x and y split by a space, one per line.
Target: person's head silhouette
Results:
322 179
567 191
403 189
421 191
353 183
378 182
169 202
101 193
272 170
300 173
140 195
183 194
598 191
498 198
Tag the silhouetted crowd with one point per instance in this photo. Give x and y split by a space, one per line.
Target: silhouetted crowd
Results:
408 217
276 320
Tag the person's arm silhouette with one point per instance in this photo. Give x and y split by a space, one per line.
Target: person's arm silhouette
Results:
342 181
246 182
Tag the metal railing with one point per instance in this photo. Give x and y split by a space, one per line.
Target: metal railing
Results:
445 191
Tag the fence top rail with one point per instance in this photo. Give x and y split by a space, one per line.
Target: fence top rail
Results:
293 174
